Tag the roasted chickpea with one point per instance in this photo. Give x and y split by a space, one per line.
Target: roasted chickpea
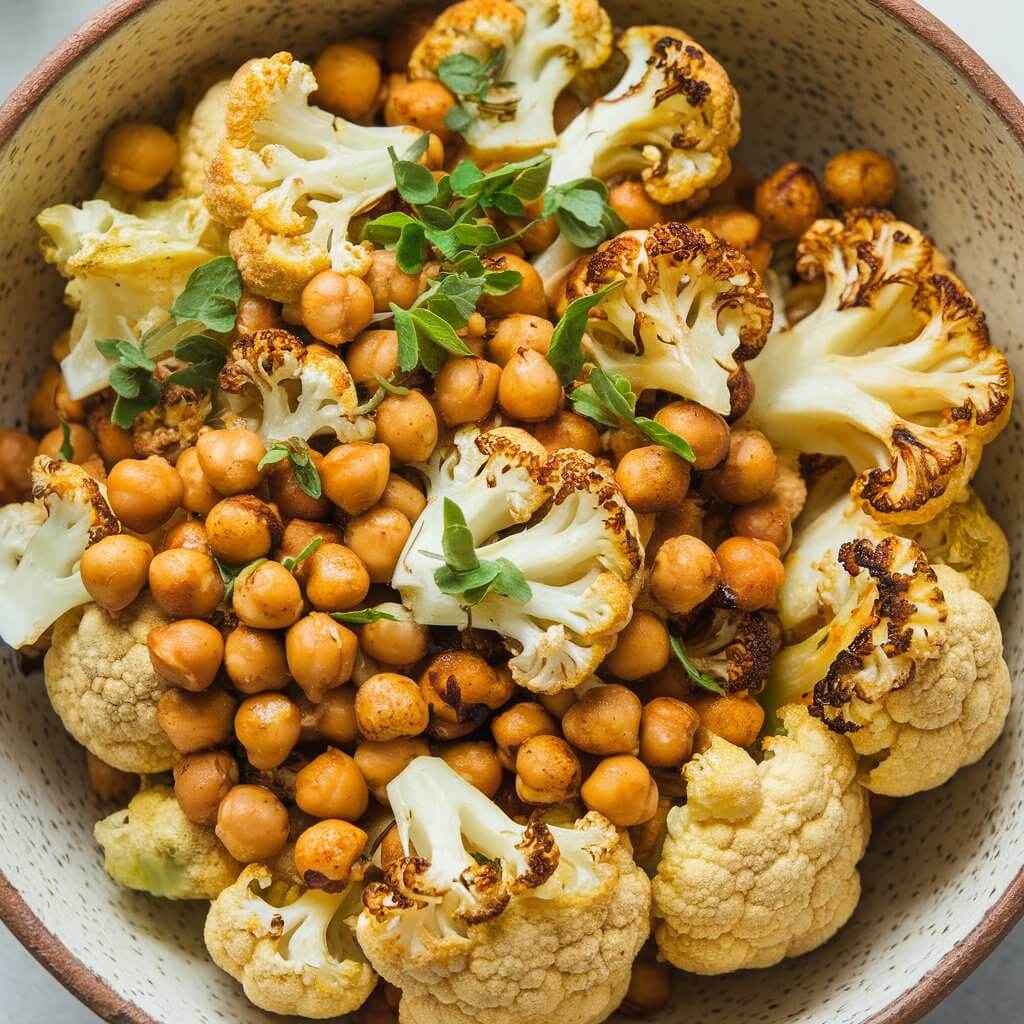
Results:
268 726
568 430
739 227
374 353
254 660
621 788
50 403
187 653
377 538
337 579
389 706
144 493
255 313
195 721
242 528
752 572
512 728
328 850
381 762
787 202
252 824
764 520
537 237
201 781
520 330
291 500
748 471
477 762
860 177
650 989
399 643
336 307
332 720
737 719
331 786
527 298
230 459
685 574
605 720
83 444
529 388
401 495
459 686
108 782
465 390
642 648
557 704
297 537
17 450
321 654
423 103
115 569
387 283
547 771
185 583
391 847
667 728
137 157
409 29
652 478
267 597
631 202
190 533
354 475
407 424
685 519
706 431
198 495
348 79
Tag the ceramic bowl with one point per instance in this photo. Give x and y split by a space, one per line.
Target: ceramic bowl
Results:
943 878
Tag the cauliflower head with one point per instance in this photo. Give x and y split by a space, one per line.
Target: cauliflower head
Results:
575 540
485 921
689 310
734 648
41 547
152 847
760 863
280 387
101 682
200 131
893 370
289 177
124 271
291 948
544 44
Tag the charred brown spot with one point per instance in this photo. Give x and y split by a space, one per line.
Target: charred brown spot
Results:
318 880
541 852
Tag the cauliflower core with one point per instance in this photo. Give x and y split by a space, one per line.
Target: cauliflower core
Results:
576 544
760 863
567 908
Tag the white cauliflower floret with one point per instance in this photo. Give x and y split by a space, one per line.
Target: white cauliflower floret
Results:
893 371
688 311
124 271
41 546
477 892
291 949
544 43
200 132
578 550
760 863
289 177
280 387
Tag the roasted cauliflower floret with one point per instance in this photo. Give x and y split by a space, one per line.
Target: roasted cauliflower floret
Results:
200 131
544 44
41 546
291 948
151 846
280 387
734 648
688 311
124 271
894 370
566 908
289 177
173 424
760 863
575 543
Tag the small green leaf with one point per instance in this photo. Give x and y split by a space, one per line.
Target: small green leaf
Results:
511 582
613 391
432 356
126 409
565 353
408 340
501 282
126 382
363 617
306 475
444 242
211 295
67 449
390 387
531 178
508 203
476 236
473 584
457 540
458 119
435 217
415 182
207 358
698 677
585 403
465 177
415 152
386 229
463 74
277 452
232 575
665 437
309 549
439 331
126 353
410 249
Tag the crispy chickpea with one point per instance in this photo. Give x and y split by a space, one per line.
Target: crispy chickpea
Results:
291 500
399 643
185 583
642 648
409 29
242 528
529 388
520 330
685 574
667 728
337 579
186 653
860 177
380 762
650 990
787 202
254 660
685 519
465 390
354 475
424 103
17 450
764 520
537 237
331 786
377 538
748 471
632 203
388 706
706 431
144 493
739 227
137 157
512 728
374 353
459 685
268 726
196 721
201 781
621 788
298 535
547 771
328 850
198 495
115 569
230 459
333 719
336 307
83 444
752 572
190 533
407 424
255 313
405 497
108 782
267 597
605 720
348 79
568 430
50 403
652 478
527 298
321 654
477 762
252 824
387 283
737 719
391 847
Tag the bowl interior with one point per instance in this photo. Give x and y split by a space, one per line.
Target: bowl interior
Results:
815 76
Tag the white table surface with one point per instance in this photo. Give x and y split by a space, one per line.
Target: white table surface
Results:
994 994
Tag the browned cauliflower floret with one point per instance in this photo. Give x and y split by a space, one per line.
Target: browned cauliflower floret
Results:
734 648
173 424
199 131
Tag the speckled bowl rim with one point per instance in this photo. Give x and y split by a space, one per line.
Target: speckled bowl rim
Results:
914 1003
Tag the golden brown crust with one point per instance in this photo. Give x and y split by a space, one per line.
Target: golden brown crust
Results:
54 477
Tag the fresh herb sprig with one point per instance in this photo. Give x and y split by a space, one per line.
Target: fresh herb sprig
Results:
471 81
67 449
293 561
695 674
363 617
582 212
296 451
565 351
232 575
